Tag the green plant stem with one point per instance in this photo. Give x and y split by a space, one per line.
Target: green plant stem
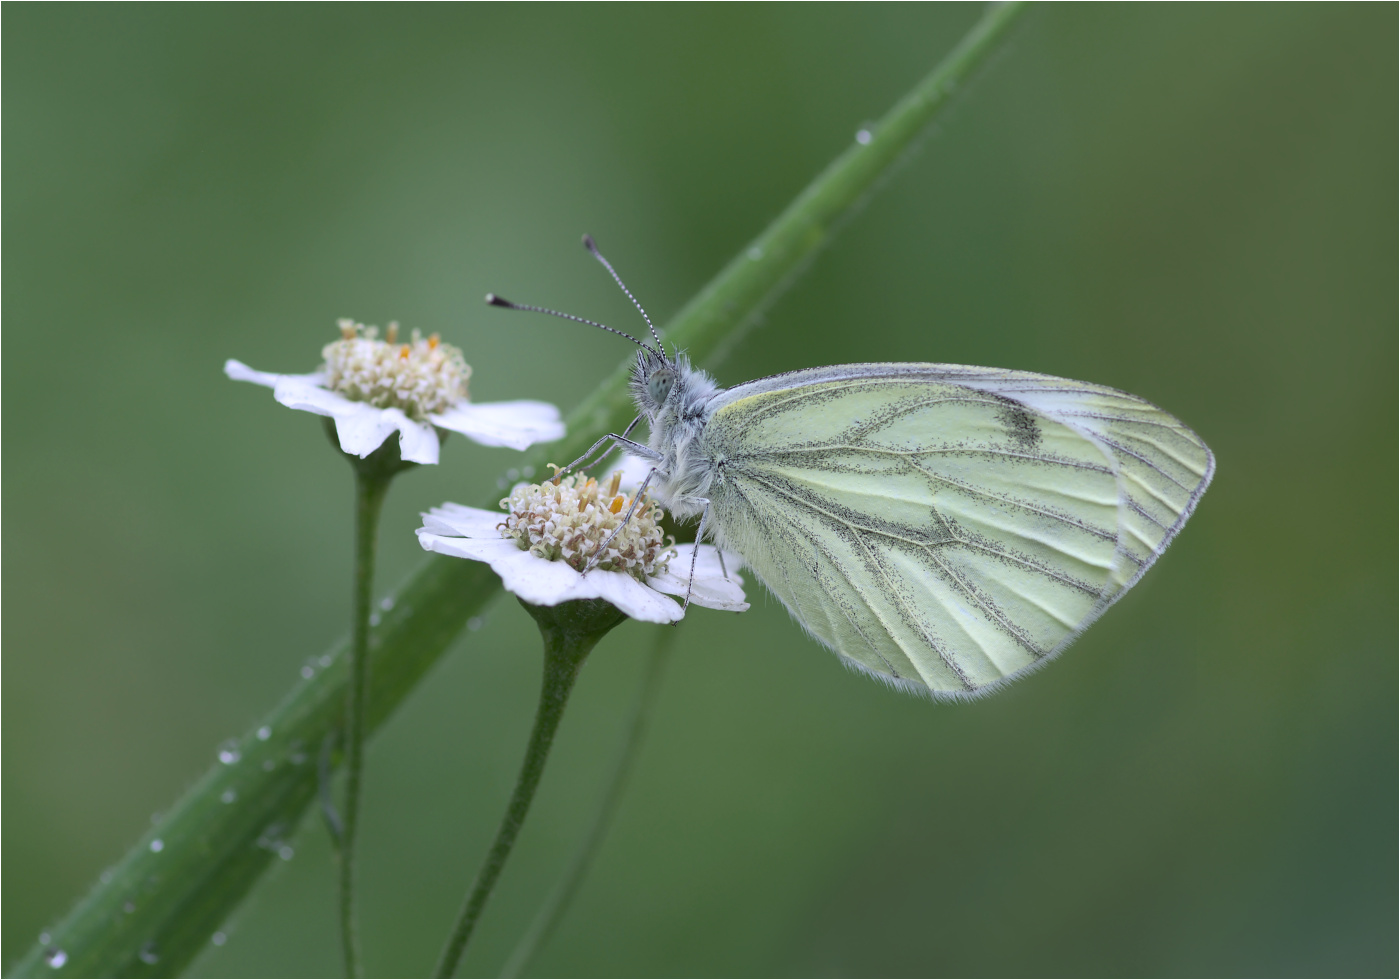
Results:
562 895
370 491
214 851
569 632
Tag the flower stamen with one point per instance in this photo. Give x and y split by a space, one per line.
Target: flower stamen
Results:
420 378
567 520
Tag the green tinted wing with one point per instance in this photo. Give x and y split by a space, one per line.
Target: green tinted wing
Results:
944 527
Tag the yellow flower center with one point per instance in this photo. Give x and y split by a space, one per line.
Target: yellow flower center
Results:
420 377
570 519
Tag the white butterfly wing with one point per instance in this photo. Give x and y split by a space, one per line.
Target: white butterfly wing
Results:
947 527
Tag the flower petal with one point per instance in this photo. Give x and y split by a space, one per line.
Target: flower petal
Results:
238 371
418 441
517 425
710 588
537 581
303 393
362 428
476 549
541 582
627 594
469 522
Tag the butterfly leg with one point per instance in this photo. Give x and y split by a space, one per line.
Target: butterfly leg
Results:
612 439
606 441
700 537
603 548
695 553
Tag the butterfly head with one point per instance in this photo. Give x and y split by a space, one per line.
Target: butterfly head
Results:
653 381
661 387
669 391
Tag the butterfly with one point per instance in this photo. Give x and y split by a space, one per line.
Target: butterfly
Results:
941 528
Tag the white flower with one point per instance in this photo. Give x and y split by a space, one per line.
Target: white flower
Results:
550 533
373 388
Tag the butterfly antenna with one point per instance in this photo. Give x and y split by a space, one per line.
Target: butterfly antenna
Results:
495 300
589 244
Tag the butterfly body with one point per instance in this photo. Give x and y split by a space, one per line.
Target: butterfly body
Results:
675 399
943 528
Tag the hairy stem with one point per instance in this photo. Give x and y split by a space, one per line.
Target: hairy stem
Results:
370 491
560 897
569 632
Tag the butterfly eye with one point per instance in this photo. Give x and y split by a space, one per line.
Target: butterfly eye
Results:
659 386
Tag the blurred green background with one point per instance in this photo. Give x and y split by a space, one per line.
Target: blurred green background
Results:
1196 204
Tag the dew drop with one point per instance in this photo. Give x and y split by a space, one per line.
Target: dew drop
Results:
264 733
128 907
864 136
512 474
501 483
269 765
297 758
326 660
374 619
228 753
308 672
474 624
148 954
528 472
157 846
228 796
387 602
755 254
271 840
56 958
106 877
218 939
45 939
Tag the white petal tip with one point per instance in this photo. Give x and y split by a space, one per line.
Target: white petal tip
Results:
238 371
513 425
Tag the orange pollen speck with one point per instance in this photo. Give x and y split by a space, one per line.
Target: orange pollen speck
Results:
433 341
616 506
404 351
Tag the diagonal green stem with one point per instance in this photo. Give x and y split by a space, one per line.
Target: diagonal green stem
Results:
563 892
569 632
214 851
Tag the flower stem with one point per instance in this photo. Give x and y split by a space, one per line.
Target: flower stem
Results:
569 632
563 893
371 487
